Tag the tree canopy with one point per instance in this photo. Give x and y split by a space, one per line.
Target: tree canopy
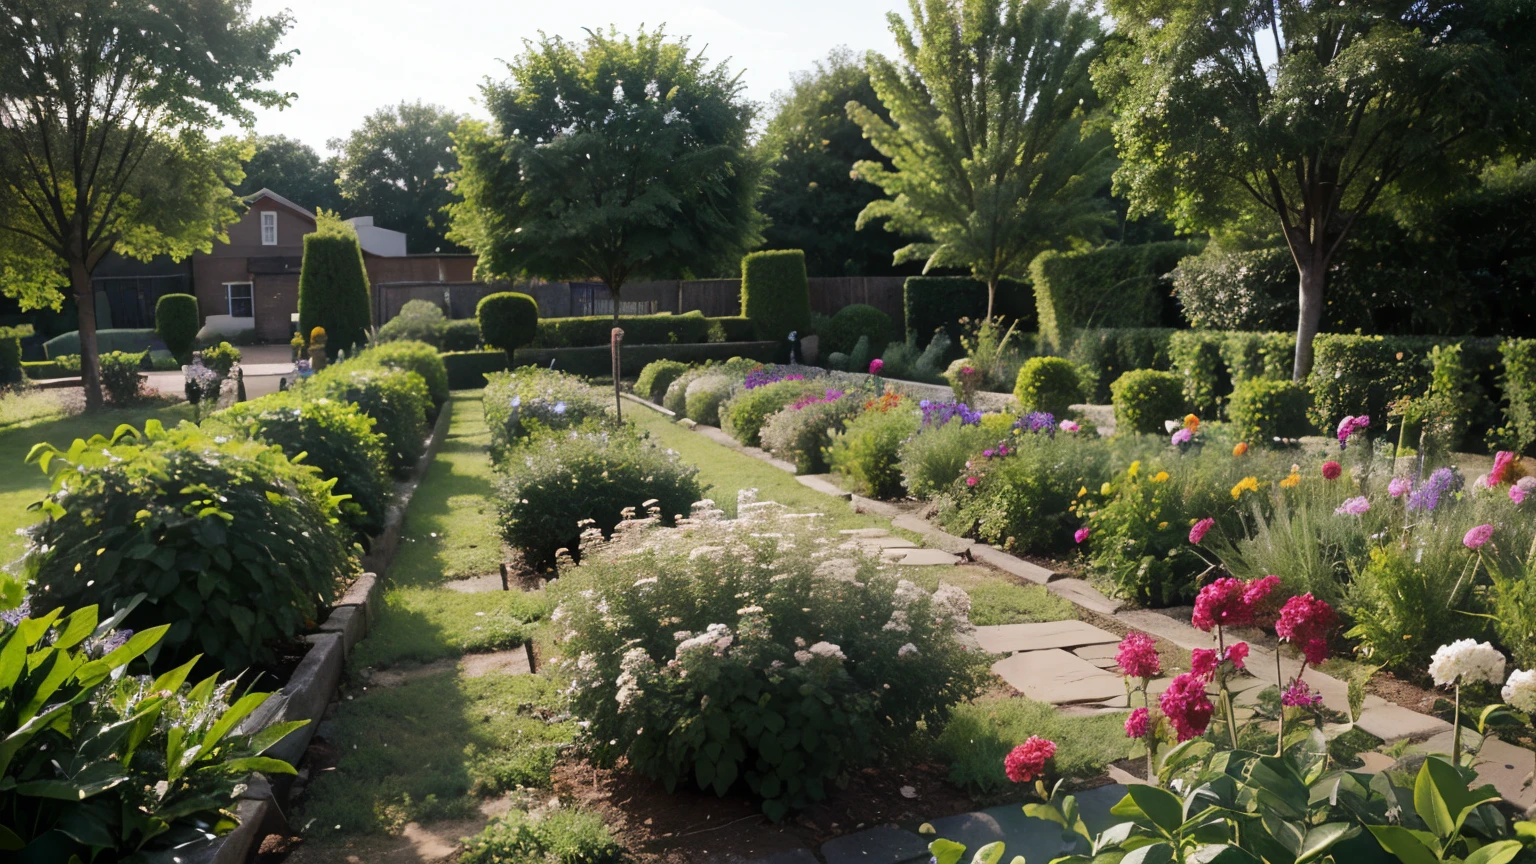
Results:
611 158
293 170
395 168
103 104
994 161
1311 114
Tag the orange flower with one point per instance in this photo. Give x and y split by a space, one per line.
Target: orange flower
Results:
1240 449
1291 482
1191 422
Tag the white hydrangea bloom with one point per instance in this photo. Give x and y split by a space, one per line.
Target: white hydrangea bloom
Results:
1466 661
827 649
1520 690
717 638
952 602
907 650
634 663
907 593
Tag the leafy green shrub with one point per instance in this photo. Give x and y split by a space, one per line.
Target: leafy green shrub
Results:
333 286
859 357
656 377
1354 375
467 369
120 375
743 415
1196 355
1519 385
508 320
934 303
418 357
1249 290
842 331
564 836
1419 591
85 773
1112 286
1050 384
731 328
522 402
461 335
934 459
417 321
10 352
221 358
775 295
1262 409
235 546
801 434
398 402
177 323
705 395
563 482
1023 500
837 361
868 450
663 329
336 437
1145 399
1105 355
802 665
676 397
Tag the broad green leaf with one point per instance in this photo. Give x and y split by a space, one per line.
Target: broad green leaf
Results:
1158 806
97 670
1322 838
1501 852
264 764
946 851
1404 844
1220 853
989 854
276 732
237 712
1156 853
10 841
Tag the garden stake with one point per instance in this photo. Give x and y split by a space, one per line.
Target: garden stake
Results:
504 577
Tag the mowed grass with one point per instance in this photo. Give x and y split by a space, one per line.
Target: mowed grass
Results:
22 484
980 735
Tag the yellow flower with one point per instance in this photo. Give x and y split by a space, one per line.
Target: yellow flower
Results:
1240 449
1291 482
1083 490
1105 489
1160 477
1247 484
1162 525
1134 469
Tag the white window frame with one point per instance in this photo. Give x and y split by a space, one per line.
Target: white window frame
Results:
269 227
229 298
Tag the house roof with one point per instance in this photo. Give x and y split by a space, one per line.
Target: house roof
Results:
268 193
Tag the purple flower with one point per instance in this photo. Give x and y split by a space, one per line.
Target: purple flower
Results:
1476 537
1357 506
1036 421
1080 535
1183 436
1350 426
1299 695
1427 496
15 616
938 413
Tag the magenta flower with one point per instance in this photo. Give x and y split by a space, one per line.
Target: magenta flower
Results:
1352 426
1305 621
1477 536
972 480
1027 761
1138 724
1517 494
1080 535
1399 487
1299 695
1138 656
1503 461
1185 705
1203 663
876 365
1221 604
1198 531
1069 426
1237 652
1356 506
1332 470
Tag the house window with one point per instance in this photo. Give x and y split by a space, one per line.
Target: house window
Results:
239 296
268 228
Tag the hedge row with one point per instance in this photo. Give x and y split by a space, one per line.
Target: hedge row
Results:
467 369
933 303
1115 286
130 340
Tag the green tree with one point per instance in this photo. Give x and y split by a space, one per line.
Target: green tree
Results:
103 107
810 196
333 286
614 158
1309 114
988 134
395 168
293 170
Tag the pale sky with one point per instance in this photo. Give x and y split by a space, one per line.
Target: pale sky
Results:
359 55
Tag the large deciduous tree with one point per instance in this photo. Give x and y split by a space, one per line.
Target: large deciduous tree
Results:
293 170
994 159
1310 112
395 168
103 104
613 158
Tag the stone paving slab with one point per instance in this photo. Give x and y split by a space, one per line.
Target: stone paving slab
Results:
1509 769
1123 701
883 845
824 484
921 557
1009 638
794 856
1391 722
876 544
1080 592
1058 677
864 532
1010 564
1102 655
934 536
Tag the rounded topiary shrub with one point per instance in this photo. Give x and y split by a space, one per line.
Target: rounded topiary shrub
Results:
417 357
1262 409
398 402
232 544
775 294
563 484
1049 384
676 397
656 377
743 415
1145 399
418 321
508 320
120 375
841 332
704 397
177 323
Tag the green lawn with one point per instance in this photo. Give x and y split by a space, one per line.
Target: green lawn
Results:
22 484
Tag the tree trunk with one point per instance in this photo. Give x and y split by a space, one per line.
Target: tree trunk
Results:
1314 276
615 347
991 295
90 357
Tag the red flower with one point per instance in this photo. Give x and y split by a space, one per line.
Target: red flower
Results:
1221 604
1138 724
1027 761
1332 470
1203 662
1306 621
1185 705
1138 656
1238 654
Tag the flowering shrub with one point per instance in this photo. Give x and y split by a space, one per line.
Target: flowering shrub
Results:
1144 399
1023 500
940 413
743 415
934 458
801 432
754 653
868 451
1141 532
120 375
964 378
529 399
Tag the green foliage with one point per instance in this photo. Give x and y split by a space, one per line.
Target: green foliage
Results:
234 546
616 157
936 303
597 361
786 710
1196 356
120 375
868 450
744 413
560 485
508 320
705 395
1144 399
1226 289
177 322
1106 354
532 399
1355 375
563 836
333 286
221 358
10 352
656 377
294 170
417 321
335 437
396 168
1262 409
844 329
663 329
1420 593
417 357
991 160
775 296
103 765
859 357
981 734
398 401
467 370
731 328
1519 384
1050 384
933 459
1112 286
1022 501
106 340
461 335
801 435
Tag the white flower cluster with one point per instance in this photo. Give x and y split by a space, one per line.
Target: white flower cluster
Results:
1520 690
907 650
898 623
820 649
634 663
1466 661
952 602
717 638
907 593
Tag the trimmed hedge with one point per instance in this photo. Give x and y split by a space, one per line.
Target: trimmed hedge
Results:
731 328
10 352
41 370
843 330
1107 354
664 329
333 287
466 369
656 377
508 320
1145 399
1519 383
775 295
1114 286
1354 375
177 322
1262 409
1248 290
130 340
1049 384
462 335
397 400
418 357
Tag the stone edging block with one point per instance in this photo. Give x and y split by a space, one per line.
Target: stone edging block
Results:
649 404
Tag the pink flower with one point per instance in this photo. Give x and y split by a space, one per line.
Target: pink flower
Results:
1185 705
1527 483
1237 652
1299 695
1332 470
1353 426
1476 537
1198 531
876 365
1138 656
972 480
1356 506
1027 761
1259 597
1517 494
1080 535
1305 621
1138 724
1069 426
1203 663
1315 651
1502 462
1183 436
1221 604
1399 487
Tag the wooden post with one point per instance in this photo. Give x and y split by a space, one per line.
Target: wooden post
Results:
616 339
504 585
